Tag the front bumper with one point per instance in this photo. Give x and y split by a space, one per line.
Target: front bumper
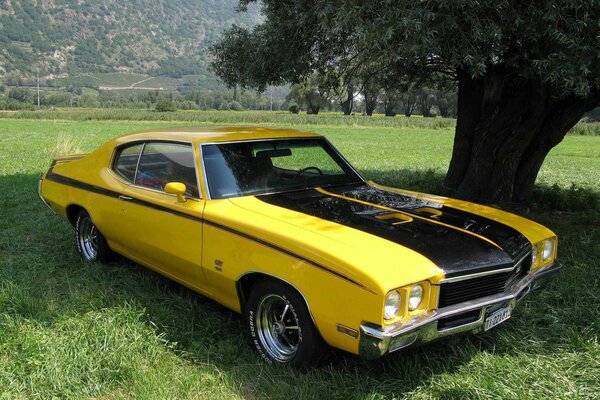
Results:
376 341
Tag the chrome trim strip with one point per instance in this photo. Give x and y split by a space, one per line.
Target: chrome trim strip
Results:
40 180
311 136
485 273
197 170
137 164
204 176
477 275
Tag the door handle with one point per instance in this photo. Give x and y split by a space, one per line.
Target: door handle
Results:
126 198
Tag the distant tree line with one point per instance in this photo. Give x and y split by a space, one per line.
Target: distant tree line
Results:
23 98
369 94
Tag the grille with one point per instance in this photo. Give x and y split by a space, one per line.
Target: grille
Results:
470 289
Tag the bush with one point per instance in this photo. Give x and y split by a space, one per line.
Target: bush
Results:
294 109
14 105
236 106
21 94
165 104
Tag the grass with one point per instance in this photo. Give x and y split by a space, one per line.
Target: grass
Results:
71 330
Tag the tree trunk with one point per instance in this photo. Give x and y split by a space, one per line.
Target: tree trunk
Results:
389 108
371 94
425 103
347 103
506 126
370 104
409 103
312 109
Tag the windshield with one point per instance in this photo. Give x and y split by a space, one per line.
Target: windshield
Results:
269 166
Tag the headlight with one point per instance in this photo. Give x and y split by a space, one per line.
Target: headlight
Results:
547 250
392 304
543 253
416 297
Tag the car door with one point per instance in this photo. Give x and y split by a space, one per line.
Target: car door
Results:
161 231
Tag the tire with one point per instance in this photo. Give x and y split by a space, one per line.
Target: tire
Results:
280 326
91 244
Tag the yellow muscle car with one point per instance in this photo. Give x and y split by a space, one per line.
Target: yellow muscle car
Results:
277 225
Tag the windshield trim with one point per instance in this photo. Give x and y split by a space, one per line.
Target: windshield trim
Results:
323 138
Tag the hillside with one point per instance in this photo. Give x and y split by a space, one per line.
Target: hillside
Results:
72 37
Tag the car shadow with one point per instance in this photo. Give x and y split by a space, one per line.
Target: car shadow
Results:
50 282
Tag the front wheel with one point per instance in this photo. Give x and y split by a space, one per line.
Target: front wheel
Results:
280 326
91 244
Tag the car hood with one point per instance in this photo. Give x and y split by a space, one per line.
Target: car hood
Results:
458 242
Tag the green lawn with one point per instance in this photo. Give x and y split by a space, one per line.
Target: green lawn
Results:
71 330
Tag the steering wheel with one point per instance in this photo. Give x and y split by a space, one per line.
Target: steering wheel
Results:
303 170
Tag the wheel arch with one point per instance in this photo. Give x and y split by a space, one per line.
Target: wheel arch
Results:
245 282
72 211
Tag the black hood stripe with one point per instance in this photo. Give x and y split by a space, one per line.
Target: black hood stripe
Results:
513 242
454 250
411 215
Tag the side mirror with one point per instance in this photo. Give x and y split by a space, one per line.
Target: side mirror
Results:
176 188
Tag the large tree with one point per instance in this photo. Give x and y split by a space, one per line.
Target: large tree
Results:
526 71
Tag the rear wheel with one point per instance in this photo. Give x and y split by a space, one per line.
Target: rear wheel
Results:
91 244
280 326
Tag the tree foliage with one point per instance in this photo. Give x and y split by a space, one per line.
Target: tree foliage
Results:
526 71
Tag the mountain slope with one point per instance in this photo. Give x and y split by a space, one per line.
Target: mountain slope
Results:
159 37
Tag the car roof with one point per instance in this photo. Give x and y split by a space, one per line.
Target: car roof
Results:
215 134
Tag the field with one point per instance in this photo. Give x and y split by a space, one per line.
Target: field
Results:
70 330
123 81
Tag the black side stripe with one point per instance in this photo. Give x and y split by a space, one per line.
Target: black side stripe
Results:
51 176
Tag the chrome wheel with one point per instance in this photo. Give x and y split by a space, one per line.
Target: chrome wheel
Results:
88 238
277 327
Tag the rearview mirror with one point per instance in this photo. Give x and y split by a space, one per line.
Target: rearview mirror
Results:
176 188
273 153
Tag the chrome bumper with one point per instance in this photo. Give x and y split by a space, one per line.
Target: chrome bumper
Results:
376 341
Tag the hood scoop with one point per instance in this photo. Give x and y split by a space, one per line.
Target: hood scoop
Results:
394 218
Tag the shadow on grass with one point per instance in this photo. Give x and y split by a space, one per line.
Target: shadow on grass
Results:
48 283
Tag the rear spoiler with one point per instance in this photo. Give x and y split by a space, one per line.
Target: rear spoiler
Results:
66 159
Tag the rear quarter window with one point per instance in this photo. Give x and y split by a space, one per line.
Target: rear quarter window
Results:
126 160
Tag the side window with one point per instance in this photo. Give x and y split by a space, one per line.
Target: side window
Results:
163 162
126 160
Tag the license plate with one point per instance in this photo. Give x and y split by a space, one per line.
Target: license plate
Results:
497 317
